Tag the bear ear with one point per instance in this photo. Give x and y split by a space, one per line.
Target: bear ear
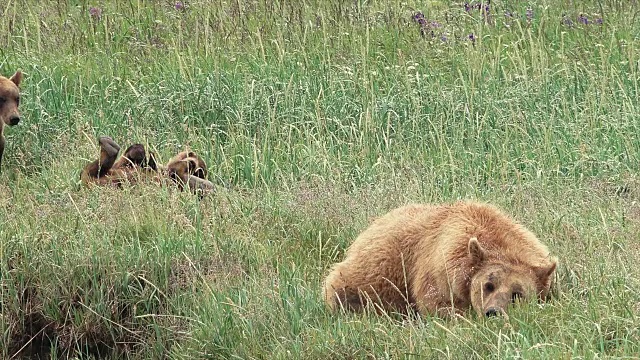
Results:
16 78
476 252
192 166
544 272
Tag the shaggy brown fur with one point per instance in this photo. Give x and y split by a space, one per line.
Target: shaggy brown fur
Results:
9 101
441 259
184 168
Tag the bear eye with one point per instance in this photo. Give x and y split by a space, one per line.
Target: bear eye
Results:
489 287
2 101
515 296
18 100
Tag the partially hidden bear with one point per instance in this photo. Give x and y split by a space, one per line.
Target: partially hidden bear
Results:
9 101
186 169
441 260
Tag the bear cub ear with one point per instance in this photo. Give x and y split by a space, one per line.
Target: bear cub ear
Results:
476 252
16 78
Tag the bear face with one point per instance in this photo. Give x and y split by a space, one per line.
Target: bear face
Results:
185 165
498 284
10 99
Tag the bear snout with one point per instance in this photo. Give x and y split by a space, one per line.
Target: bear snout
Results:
14 120
493 311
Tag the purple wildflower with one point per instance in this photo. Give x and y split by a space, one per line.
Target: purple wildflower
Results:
529 14
599 21
179 5
444 38
426 27
486 11
95 13
467 7
567 21
583 19
472 38
419 18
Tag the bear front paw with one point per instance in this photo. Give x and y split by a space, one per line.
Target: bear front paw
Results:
108 145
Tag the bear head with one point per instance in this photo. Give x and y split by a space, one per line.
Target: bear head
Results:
10 99
498 283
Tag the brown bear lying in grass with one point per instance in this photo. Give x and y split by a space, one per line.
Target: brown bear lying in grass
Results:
440 260
184 169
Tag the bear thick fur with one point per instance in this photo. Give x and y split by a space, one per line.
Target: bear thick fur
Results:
184 169
9 101
441 260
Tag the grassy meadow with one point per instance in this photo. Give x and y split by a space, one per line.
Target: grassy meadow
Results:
313 117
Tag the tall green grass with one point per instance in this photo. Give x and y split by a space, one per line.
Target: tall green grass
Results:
314 117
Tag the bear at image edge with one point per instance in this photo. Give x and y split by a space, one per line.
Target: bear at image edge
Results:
441 259
9 102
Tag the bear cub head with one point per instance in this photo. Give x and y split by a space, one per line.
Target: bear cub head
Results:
498 284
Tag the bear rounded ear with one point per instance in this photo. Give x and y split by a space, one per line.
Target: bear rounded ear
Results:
476 252
544 272
16 78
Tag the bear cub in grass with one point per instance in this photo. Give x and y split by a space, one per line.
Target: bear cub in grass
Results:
184 169
9 101
441 260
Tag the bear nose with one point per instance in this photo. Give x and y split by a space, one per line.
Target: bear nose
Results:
14 120
492 312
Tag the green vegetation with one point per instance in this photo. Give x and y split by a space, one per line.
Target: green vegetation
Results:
314 117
